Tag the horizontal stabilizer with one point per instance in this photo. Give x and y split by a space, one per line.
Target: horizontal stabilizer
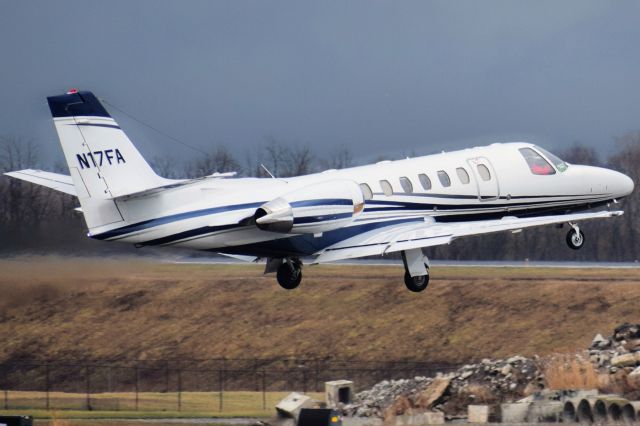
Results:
56 181
169 185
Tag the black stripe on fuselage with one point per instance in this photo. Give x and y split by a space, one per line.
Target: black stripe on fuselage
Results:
404 205
475 196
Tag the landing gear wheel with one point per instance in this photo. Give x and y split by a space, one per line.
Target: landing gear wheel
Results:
575 239
417 283
289 274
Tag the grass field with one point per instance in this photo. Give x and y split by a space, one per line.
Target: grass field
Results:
85 308
151 405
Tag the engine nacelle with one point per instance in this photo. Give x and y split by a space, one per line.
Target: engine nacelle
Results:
313 209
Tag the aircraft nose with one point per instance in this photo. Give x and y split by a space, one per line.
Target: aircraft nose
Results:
623 185
627 185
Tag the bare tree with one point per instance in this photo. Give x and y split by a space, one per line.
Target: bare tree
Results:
219 161
298 161
275 155
339 158
165 167
581 154
282 160
23 203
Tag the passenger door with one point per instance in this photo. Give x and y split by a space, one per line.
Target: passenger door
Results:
486 178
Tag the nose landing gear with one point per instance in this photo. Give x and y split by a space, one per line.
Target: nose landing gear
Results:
575 237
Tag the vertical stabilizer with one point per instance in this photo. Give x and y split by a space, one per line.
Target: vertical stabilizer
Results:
102 160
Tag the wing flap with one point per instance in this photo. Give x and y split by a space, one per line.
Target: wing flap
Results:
396 238
56 181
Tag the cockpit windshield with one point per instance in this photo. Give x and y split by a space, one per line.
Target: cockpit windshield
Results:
560 165
539 165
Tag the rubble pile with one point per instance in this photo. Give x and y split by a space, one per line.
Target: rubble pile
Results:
620 351
495 381
489 380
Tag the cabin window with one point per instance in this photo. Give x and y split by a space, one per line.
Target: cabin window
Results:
425 181
444 178
537 164
484 173
462 175
406 185
386 187
367 193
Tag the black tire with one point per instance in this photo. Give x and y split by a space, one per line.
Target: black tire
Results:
289 275
575 240
416 284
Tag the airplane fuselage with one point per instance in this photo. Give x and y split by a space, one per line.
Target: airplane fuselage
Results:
208 214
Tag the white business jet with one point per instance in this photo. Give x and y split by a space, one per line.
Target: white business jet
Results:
388 207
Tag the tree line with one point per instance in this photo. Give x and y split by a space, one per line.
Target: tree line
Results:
36 219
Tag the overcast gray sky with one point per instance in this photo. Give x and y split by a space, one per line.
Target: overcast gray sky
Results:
383 77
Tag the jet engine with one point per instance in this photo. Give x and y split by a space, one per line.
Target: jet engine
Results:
312 209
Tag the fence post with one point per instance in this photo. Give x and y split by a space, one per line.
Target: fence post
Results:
304 379
221 389
166 377
47 385
264 390
6 386
87 386
179 390
255 373
137 387
109 377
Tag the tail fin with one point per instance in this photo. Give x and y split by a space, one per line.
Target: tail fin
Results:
102 161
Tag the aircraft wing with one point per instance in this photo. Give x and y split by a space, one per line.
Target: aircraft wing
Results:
414 235
57 181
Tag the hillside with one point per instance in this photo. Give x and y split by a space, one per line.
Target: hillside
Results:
54 308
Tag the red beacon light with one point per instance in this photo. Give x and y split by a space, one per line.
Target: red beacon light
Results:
72 91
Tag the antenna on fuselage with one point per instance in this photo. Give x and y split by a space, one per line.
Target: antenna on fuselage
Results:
267 170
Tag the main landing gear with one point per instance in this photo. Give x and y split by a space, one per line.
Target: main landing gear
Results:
575 237
288 271
416 270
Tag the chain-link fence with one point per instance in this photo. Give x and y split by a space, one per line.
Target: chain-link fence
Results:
186 385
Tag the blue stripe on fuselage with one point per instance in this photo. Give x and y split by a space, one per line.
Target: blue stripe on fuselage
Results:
320 218
204 212
172 218
323 202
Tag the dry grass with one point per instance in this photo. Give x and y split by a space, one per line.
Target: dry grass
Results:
571 372
53 308
163 404
93 422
